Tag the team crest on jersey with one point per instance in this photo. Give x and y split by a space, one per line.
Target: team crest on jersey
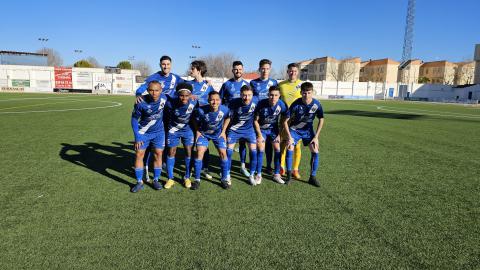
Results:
219 116
277 110
252 108
204 87
313 109
162 104
190 108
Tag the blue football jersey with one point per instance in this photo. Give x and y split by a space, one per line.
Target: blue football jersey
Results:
260 87
201 90
168 83
241 115
147 116
302 115
179 115
230 90
268 116
210 123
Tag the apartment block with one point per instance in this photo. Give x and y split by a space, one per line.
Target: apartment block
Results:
381 70
439 72
409 72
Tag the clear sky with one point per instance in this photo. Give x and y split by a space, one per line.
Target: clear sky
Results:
283 31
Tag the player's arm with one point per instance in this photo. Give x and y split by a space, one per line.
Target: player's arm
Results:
226 123
319 127
287 131
257 129
134 122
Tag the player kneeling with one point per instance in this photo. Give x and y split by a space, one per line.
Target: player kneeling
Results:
147 125
210 127
299 126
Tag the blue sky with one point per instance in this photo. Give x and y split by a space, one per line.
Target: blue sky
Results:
283 31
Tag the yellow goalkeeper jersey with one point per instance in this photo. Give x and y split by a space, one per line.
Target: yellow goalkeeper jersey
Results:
290 91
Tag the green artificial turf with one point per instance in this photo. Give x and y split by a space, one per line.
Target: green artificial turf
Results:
400 188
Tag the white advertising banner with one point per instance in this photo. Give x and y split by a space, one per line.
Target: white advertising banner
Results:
122 84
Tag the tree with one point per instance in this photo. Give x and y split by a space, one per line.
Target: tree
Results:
219 65
144 68
53 57
93 61
344 70
423 80
124 65
83 64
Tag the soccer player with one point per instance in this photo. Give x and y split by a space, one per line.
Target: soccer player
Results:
267 116
261 88
289 92
180 110
201 90
230 90
169 83
168 80
209 127
299 126
147 125
241 127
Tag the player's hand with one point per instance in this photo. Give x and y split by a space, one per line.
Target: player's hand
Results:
138 99
314 143
198 135
138 145
193 97
222 135
290 141
277 139
260 139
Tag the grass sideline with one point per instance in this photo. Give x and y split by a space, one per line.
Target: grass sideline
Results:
400 189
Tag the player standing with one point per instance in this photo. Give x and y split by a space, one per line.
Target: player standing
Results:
230 90
289 92
147 125
261 88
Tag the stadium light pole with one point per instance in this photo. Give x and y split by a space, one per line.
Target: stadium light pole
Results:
79 52
43 41
131 59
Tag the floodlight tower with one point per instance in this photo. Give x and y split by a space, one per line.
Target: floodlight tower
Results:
408 38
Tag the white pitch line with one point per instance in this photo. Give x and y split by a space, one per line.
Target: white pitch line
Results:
115 104
425 112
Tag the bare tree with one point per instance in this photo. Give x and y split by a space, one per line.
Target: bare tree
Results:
219 65
53 57
93 61
344 70
144 68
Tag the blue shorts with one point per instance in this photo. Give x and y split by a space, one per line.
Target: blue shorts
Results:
173 139
305 135
155 140
218 142
269 135
249 136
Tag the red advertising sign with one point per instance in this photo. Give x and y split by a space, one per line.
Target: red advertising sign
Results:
63 77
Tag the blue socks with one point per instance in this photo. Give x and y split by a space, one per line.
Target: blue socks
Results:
314 163
229 160
224 167
243 152
139 174
259 162
187 167
276 158
156 173
268 152
170 164
253 161
289 160
198 168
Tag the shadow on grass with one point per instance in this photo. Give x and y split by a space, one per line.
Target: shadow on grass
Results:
120 157
377 114
99 158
